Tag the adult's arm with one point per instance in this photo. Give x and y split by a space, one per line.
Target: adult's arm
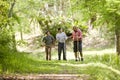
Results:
79 34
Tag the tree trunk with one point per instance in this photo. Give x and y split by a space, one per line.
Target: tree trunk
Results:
71 13
11 9
90 26
9 16
21 34
117 32
14 42
117 42
90 23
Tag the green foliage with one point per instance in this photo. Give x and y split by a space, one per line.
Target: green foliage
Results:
47 23
5 37
4 6
52 25
10 60
106 11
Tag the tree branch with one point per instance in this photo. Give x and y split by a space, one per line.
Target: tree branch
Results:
11 9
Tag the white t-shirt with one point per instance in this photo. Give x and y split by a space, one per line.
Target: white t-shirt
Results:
61 37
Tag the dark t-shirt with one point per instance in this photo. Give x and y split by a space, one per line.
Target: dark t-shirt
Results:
48 40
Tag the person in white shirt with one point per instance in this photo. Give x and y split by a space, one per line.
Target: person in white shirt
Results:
61 38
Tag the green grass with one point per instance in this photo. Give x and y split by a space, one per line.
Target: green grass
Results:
23 63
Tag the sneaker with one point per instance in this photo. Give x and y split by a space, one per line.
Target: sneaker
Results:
59 59
76 60
81 59
65 59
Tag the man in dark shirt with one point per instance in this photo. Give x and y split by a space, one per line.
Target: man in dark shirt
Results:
49 41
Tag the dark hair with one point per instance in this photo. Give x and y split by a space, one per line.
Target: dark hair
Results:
74 26
59 29
47 32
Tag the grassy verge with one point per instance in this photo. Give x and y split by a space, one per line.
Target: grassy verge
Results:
23 63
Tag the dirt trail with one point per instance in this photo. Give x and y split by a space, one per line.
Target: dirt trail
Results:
46 77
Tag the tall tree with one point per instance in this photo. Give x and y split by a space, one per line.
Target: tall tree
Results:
10 15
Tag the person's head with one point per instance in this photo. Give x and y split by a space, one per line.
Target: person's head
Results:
47 32
59 29
75 28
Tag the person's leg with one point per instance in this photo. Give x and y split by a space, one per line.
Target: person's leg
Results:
75 53
80 50
59 51
64 51
78 56
49 53
46 50
75 49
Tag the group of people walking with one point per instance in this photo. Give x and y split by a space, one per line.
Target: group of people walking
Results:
61 38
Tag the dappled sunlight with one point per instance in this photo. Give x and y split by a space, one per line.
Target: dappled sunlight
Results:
101 65
100 52
30 47
69 55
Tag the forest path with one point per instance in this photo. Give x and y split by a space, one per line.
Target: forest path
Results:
61 76
47 77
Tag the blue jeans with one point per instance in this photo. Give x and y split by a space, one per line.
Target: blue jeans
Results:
61 47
